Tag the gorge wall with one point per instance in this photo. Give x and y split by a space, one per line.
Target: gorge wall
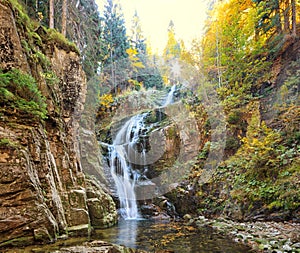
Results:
44 193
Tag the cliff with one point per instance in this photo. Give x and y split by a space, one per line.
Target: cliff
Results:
44 193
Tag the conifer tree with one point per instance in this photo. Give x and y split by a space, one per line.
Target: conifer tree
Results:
148 74
137 37
114 46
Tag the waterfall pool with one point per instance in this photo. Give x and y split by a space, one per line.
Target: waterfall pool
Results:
152 236
173 236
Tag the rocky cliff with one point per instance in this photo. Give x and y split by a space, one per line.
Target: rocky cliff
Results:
44 193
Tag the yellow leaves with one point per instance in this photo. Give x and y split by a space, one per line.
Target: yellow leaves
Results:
173 231
135 61
165 79
135 84
106 100
138 65
132 54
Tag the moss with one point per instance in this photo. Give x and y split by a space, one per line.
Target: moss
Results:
172 132
59 40
22 18
4 142
20 91
18 242
36 35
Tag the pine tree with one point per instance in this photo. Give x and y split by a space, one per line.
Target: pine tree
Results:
137 37
147 74
114 46
84 28
294 18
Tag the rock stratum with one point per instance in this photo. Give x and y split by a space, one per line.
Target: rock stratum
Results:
44 193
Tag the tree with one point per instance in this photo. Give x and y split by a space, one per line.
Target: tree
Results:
294 18
84 29
144 71
137 37
269 16
277 16
64 18
171 54
172 49
114 46
51 14
232 52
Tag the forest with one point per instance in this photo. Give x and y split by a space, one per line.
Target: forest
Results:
225 109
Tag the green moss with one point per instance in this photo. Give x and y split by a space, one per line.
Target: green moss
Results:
32 36
22 18
61 41
172 132
18 242
4 142
20 91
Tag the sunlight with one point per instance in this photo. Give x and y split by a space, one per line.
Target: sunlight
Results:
188 17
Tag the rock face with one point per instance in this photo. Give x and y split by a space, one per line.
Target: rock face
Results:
42 185
102 209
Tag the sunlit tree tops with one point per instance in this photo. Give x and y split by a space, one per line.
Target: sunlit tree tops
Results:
172 48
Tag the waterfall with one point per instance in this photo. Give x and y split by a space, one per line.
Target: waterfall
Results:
128 148
123 153
170 96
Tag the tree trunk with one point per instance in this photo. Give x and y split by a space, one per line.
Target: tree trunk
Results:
51 14
294 18
277 17
286 15
64 18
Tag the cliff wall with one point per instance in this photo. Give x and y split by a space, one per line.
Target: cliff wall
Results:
44 193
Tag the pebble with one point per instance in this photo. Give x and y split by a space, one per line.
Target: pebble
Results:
296 245
287 247
270 237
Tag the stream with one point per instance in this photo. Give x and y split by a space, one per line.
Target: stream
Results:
173 236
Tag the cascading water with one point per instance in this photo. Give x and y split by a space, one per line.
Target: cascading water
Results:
127 149
170 96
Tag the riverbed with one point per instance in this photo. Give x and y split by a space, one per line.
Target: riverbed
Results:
151 236
176 237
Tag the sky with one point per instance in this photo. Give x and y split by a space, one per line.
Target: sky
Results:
188 17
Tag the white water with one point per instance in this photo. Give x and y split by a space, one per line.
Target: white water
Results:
170 96
122 153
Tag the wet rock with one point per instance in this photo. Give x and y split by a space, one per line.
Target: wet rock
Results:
101 207
98 246
42 235
187 217
287 248
150 210
269 237
296 245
